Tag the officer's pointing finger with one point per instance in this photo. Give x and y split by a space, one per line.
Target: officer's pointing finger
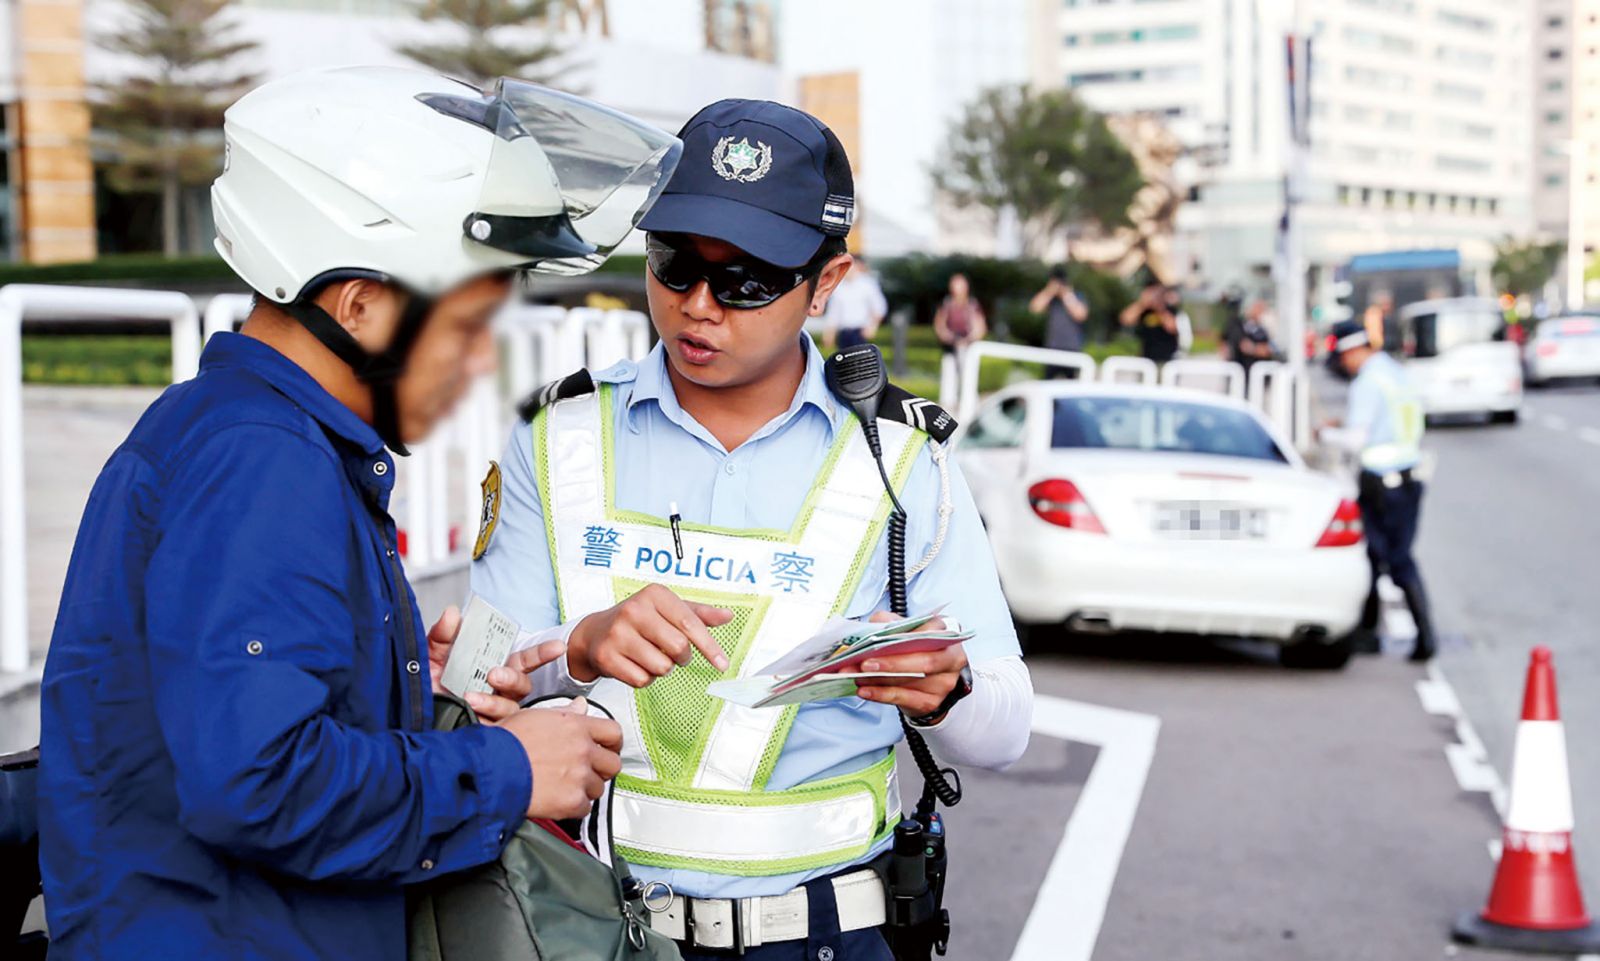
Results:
695 618
530 659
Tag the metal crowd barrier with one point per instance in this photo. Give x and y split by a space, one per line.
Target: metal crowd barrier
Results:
537 345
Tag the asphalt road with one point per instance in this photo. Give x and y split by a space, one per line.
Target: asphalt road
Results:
1283 814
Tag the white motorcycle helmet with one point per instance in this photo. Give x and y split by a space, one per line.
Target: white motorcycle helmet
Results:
422 182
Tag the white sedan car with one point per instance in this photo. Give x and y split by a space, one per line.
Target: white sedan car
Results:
1117 507
1564 347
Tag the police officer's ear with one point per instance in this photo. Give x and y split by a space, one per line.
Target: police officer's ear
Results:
829 279
367 309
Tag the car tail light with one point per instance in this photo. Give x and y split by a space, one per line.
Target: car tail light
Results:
1345 528
1059 502
1547 349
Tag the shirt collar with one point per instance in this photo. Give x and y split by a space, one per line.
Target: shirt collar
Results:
652 383
291 380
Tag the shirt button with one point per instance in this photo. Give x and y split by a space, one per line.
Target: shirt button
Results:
729 467
380 468
427 864
253 648
412 667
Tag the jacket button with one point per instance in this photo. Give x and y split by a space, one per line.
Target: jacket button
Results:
427 864
253 648
412 667
386 617
380 468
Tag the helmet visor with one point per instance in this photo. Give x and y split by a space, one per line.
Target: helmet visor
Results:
567 178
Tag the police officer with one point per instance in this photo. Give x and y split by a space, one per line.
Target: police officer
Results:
238 758
763 822
1384 426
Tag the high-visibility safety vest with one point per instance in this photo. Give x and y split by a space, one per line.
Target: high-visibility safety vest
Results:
1407 422
693 791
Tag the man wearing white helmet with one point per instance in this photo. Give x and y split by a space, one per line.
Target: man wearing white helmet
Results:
238 754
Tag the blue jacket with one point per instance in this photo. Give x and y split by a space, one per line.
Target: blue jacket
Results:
237 759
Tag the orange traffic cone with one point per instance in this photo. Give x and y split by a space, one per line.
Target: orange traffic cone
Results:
1536 904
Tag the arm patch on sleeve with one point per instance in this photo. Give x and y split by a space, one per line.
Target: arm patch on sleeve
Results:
572 385
904 407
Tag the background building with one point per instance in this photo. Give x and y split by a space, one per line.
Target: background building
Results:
1419 119
915 64
1566 96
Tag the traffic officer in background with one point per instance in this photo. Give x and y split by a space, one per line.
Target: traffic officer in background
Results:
1383 427
237 756
696 514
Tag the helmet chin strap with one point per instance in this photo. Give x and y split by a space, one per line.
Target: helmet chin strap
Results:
379 371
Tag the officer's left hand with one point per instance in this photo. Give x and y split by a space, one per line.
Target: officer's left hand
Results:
915 696
509 683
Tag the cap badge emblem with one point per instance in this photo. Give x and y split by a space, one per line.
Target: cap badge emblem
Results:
740 161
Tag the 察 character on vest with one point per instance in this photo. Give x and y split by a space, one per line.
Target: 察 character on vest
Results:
728 422
1383 427
238 759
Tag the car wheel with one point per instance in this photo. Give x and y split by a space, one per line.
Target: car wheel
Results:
1316 655
1503 416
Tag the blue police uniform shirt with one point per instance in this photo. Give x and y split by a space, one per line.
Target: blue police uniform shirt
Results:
663 455
236 743
1379 384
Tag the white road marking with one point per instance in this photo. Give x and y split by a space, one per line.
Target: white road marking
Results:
1469 760
1554 421
1589 434
1071 903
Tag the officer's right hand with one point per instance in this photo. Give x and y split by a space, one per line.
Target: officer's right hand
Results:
572 756
644 638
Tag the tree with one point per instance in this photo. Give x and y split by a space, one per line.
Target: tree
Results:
1045 156
160 125
1523 267
483 55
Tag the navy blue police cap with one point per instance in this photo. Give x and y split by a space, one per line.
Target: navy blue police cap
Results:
1348 335
769 179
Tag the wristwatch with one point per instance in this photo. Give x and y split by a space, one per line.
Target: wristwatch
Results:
962 689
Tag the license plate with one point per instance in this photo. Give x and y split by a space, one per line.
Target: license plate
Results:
1198 520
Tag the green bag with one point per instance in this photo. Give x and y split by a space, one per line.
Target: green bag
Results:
543 900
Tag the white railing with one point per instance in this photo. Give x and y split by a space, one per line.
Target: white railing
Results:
972 359
1129 370
224 312
439 482
1200 373
19 302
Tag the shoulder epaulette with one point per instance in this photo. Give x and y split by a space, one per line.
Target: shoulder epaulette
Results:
904 407
572 385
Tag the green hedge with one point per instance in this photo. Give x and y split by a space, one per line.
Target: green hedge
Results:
97 360
146 268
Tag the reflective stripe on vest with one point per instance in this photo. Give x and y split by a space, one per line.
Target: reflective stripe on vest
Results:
692 793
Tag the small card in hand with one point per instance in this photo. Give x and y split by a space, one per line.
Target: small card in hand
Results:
482 645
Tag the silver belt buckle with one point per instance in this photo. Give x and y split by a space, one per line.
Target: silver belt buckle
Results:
714 923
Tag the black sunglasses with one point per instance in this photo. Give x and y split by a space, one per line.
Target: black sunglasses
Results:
743 284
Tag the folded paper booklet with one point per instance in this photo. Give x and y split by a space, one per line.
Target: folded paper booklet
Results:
828 665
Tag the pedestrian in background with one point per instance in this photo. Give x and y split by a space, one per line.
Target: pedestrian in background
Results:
856 308
1383 427
1248 340
1153 322
1064 315
960 319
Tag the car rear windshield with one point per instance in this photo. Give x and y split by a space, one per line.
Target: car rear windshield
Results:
1430 335
1138 423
